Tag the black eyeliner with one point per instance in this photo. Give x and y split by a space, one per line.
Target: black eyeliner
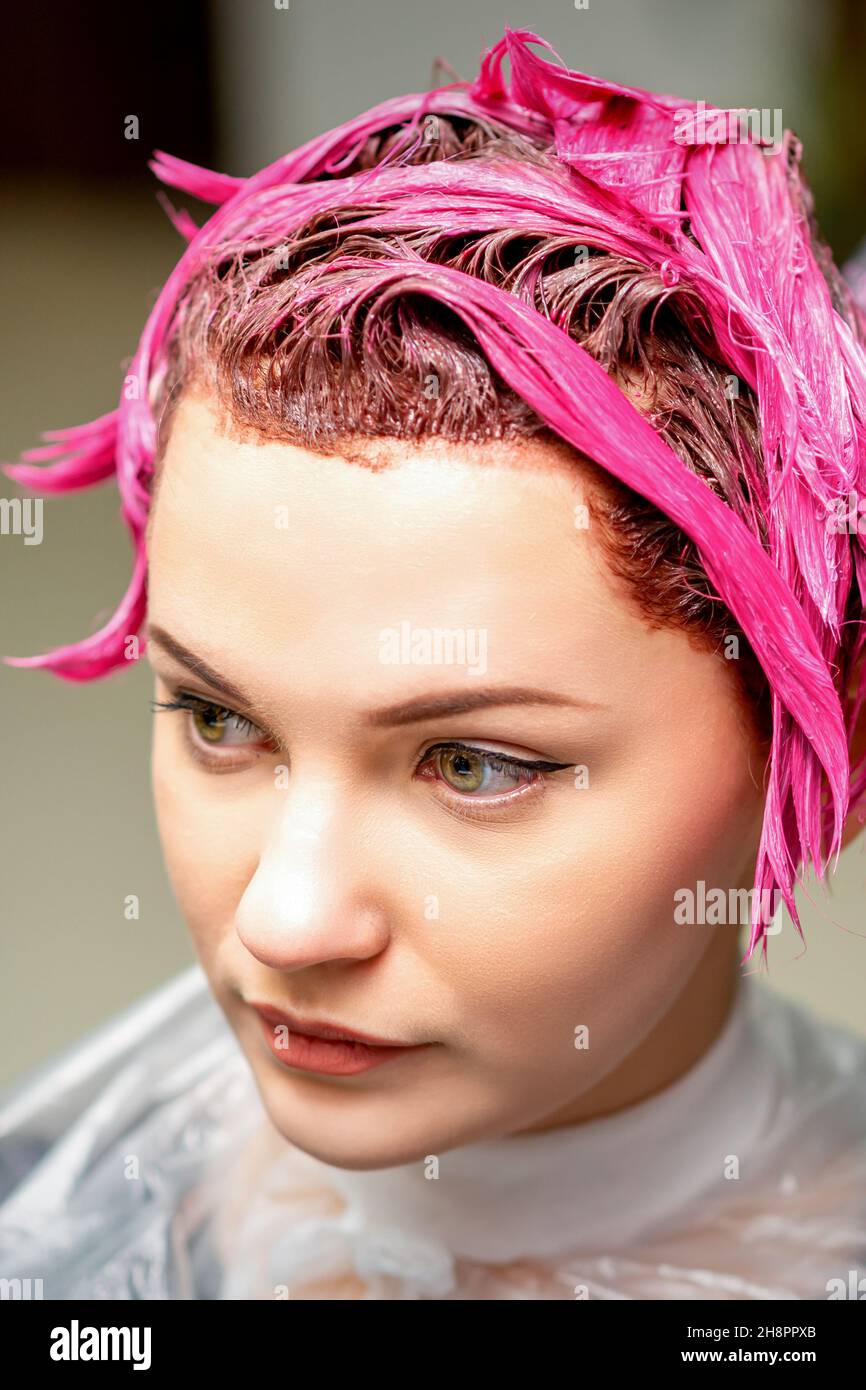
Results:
540 765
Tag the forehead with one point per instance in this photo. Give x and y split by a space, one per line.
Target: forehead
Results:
264 550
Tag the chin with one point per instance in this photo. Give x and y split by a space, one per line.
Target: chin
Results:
360 1129
359 1148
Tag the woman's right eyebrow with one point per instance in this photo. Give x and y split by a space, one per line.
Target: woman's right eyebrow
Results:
197 665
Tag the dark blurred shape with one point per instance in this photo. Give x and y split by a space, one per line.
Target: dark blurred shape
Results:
836 169
74 74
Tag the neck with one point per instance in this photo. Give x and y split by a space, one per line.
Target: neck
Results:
600 1184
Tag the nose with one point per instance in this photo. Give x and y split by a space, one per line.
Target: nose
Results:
309 900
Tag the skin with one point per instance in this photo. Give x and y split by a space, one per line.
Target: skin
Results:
555 904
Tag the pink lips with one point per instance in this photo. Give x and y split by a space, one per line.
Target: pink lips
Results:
324 1047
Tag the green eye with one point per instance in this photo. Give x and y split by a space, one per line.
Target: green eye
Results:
480 774
212 723
461 770
469 771
209 723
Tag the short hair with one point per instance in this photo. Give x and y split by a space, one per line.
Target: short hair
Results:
569 259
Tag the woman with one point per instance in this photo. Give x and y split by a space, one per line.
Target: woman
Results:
541 381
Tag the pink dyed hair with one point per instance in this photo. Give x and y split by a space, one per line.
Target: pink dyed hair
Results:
728 223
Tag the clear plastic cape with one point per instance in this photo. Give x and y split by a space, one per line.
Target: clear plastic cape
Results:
142 1165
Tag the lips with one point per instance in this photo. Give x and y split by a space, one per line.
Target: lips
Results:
334 1032
326 1048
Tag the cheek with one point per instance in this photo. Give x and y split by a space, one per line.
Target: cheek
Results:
207 846
575 925
586 940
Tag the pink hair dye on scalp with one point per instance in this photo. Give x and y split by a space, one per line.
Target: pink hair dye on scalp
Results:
636 176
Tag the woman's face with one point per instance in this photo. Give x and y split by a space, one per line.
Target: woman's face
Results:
337 858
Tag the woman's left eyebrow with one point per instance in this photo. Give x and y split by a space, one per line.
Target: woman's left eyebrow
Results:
463 701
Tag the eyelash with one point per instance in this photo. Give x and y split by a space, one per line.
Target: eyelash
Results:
501 762
197 704
472 808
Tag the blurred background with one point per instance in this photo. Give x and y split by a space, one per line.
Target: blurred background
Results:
85 248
